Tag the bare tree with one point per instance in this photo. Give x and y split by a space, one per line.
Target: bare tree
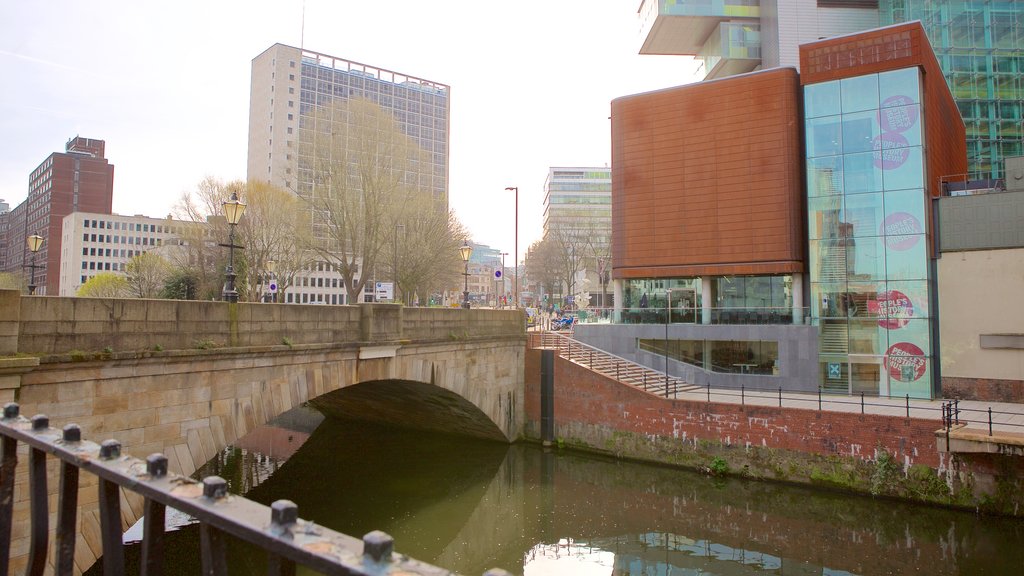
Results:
364 171
275 226
426 247
146 275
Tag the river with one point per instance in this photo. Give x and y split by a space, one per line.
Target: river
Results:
469 506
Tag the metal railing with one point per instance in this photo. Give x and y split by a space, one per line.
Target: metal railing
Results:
277 529
716 316
650 380
622 370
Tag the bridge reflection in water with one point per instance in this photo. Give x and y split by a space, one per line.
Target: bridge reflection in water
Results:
468 505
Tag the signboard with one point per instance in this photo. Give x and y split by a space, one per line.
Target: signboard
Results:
835 371
497 274
272 288
384 291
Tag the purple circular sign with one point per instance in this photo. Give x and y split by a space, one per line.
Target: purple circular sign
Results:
902 231
890 150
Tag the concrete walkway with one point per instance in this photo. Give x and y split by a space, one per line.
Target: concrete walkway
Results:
1005 418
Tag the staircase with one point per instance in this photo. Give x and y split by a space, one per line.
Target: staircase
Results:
617 368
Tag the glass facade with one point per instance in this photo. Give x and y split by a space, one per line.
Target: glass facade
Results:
980 47
868 254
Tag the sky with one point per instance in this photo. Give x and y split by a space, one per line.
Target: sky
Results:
166 85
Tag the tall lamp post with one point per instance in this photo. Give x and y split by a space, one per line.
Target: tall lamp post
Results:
233 210
515 258
271 293
394 271
35 242
465 252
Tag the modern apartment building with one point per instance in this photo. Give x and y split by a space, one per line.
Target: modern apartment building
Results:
92 243
80 179
979 45
292 91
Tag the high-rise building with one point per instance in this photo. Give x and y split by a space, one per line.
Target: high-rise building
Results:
78 179
291 88
292 92
979 45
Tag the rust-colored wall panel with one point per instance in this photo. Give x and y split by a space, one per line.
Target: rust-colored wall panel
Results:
707 179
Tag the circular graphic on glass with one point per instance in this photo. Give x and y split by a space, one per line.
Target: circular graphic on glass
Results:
897 114
905 362
894 309
902 230
891 150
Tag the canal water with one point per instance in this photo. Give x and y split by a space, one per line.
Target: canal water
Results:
469 506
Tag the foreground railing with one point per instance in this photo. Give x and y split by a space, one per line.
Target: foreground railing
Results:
287 540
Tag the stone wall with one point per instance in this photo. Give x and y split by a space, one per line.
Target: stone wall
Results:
872 454
45 325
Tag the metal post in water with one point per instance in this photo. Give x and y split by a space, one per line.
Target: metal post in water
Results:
547 397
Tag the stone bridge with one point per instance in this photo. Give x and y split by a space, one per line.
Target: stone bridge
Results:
188 378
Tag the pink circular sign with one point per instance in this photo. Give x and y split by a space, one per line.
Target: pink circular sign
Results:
891 150
905 362
897 114
902 230
894 309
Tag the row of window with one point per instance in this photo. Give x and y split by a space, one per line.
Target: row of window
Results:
113 266
130 226
111 252
134 240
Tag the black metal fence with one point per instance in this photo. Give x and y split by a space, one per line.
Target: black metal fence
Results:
277 529
948 412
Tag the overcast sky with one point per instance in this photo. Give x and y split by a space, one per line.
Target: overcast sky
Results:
167 86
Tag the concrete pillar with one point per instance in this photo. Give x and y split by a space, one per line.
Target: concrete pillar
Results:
10 321
618 287
706 299
798 299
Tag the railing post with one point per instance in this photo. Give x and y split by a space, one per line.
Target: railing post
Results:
743 395
780 396
212 544
709 392
7 468
819 398
39 504
862 403
153 521
110 515
68 506
956 410
908 405
283 516
989 420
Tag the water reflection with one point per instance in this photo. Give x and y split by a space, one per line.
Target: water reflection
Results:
469 506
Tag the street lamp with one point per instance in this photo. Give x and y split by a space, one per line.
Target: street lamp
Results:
394 268
272 294
515 259
465 252
233 210
35 242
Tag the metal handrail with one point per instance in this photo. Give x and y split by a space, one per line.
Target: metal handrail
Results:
277 529
620 369
821 400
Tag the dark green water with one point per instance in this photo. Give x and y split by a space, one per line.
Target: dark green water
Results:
470 506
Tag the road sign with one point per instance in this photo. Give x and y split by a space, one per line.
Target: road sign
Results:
272 287
497 274
384 291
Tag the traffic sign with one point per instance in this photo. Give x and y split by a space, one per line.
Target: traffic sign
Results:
273 287
497 274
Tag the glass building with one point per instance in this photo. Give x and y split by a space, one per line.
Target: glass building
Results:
980 48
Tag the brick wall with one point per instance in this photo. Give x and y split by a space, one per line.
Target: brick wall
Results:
990 389
600 409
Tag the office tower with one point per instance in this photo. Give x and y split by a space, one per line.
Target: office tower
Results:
80 179
979 45
291 86
292 91
578 215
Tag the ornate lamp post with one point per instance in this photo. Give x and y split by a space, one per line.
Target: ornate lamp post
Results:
515 246
465 252
35 242
233 210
